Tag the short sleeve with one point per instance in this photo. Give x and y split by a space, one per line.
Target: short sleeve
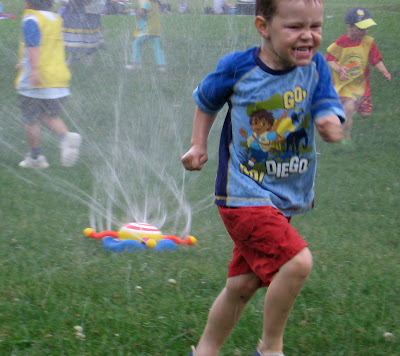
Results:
325 99
374 55
31 32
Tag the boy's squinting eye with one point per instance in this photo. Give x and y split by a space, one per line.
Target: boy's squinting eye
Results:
316 26
293 26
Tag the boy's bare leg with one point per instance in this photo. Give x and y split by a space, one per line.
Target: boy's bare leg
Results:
54 124
33 135
225 312
349 108
280 298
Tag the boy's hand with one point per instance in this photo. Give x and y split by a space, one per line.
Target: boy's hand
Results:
34 77
194 159
387 76
330 128
381 67
343 73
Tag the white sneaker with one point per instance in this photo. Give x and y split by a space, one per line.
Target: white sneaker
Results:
29 162
70 148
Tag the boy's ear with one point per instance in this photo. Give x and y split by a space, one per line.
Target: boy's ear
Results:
262 26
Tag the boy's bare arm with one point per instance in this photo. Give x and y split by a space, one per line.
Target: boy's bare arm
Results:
382 68
330 128
341 71
34 76
197 154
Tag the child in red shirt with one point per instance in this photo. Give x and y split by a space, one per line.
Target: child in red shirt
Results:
349 58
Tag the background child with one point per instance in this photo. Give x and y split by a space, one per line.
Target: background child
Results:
349 59
289 79
148 27
82 29
42 83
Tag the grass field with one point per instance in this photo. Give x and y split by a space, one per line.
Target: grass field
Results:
136 126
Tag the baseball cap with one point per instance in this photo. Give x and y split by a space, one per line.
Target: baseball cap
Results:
359 17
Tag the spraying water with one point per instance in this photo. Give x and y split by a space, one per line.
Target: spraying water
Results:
135 127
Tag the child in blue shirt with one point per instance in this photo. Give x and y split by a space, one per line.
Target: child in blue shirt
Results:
277 94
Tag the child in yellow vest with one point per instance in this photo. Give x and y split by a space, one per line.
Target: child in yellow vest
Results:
148 27
349 58
43 83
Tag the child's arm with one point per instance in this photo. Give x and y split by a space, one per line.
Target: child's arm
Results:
341 71
194 159
34 75
381 67
330 128
32 38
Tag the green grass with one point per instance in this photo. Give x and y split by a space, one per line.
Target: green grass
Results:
136 126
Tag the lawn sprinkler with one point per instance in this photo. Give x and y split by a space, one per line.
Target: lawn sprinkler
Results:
138 236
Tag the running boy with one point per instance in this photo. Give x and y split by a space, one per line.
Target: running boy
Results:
289 79
349 59
43 83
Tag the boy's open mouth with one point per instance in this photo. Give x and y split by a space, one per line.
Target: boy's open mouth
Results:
302 52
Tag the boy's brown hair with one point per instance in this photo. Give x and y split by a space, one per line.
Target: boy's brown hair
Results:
267 8
41 4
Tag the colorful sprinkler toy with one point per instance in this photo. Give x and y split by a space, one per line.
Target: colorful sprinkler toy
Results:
138 236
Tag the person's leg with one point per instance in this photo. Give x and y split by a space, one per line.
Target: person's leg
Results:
137 50
51 108
33 135
364 115
225 312
280 298
69 141
55 124
349 107
34 159
158 51
364 107
31 111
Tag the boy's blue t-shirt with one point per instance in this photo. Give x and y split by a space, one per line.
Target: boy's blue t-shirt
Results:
31 32
267 152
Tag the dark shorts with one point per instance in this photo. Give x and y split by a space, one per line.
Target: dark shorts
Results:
33 109
264 241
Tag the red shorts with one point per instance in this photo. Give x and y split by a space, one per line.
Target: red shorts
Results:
362 105
264 240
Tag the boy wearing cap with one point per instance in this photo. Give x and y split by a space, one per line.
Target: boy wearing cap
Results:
349 58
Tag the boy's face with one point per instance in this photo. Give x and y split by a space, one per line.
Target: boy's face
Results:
356 33
293 35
